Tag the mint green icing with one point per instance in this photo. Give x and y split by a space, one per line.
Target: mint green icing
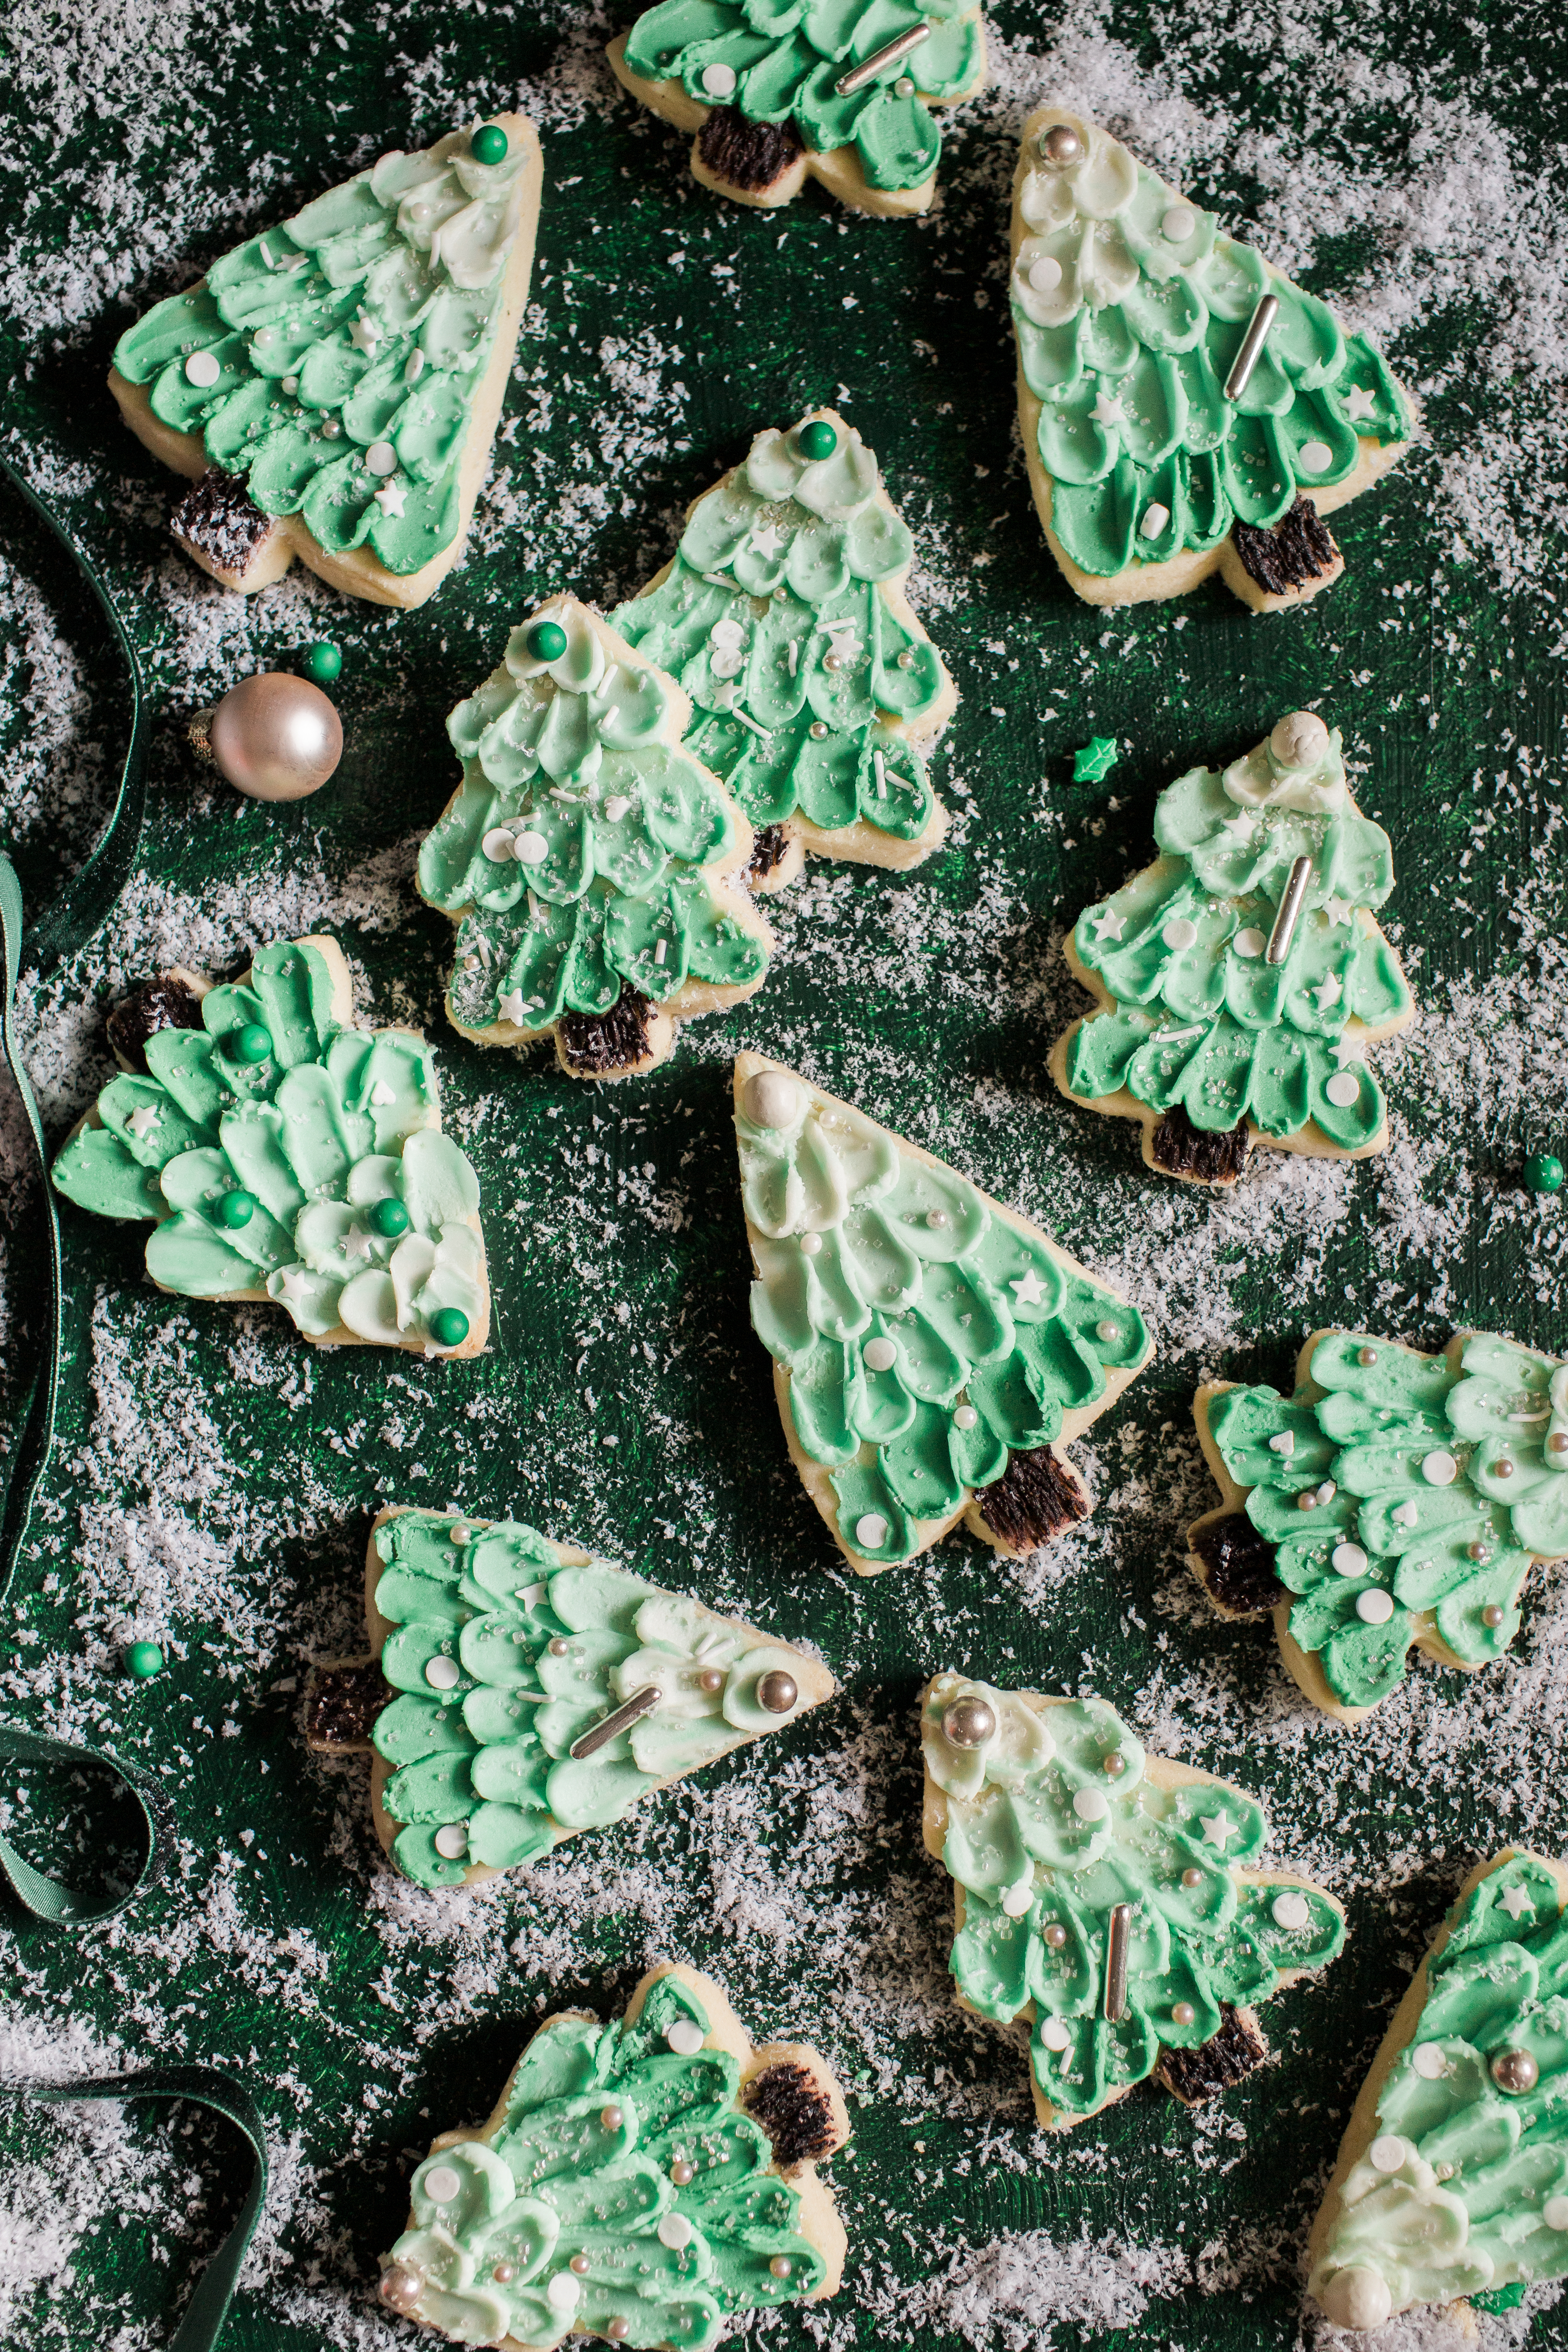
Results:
334 1121
1207 1022
1469 2193
771 562
577 762
1128 351
489 1749
568 2178
1042 1838
865 1252
787 58
1444 1544
362 324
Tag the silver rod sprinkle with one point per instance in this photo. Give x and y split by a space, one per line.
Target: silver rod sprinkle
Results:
869 68
620 1718
1252 344
1284 930
1116 1964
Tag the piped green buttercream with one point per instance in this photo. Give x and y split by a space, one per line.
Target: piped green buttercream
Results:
1431 1482
778 64
568 2217
1046 1841
330 1122
504 1656
1130 308
1199 1018
774 617
335 362
1463 2189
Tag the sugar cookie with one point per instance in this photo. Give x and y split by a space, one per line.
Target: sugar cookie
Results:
498 1656
334 385
288 1155
1403 1497
843 95
1157 451
590 863
817 695
1242 976
931 1347
1452 2180
1108 1896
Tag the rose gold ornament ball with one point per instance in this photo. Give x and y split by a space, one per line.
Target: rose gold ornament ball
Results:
276 737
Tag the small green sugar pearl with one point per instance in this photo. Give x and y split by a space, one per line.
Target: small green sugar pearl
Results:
817 439
252 1043
488 144
388 1218
448 1327
321 662
235 1209
546 641
143 1660
1543 1172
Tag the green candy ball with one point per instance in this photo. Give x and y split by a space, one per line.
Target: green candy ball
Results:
388 1218
143 1660
252 1043
321 662
235 1209
546 641
488 144
817 439
1543 1172
448 1327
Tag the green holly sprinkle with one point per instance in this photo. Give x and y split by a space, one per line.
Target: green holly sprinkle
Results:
1095 759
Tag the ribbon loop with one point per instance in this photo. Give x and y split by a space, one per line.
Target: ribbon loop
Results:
47 1899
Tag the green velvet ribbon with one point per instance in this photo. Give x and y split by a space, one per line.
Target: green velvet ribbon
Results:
204 2087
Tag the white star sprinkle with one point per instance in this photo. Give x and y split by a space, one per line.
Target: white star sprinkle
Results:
1217 1828
1027 1290
1347 1054
1339 911
390 498
768 539
1240 828
510 1008
356 1243
1108 409
1109 926
291 1289
1359 404
365 335
142 1121
1515 1902
1328 992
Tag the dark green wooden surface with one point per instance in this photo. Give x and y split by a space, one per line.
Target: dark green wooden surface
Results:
666 327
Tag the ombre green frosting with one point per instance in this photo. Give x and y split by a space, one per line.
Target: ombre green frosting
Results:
558 2182
1128 354
858 1241
333 1122
574 758
367 317
489 1749
1444 1479
779 567
1041 1836
788 55
1471 2193
1208 1024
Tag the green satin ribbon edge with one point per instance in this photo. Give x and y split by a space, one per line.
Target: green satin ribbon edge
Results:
75 911
205 2086
31 1457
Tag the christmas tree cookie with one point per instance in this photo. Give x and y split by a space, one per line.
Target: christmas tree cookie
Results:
1108 1896
1395 1500
1452 2180
1184 408
842 93
816 693
521 1690
931 1347
641 2183
333 384
589 862
286 1154
1241 977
